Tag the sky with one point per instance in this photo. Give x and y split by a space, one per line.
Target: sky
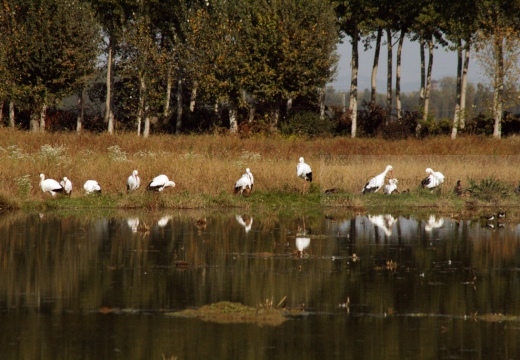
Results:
444 65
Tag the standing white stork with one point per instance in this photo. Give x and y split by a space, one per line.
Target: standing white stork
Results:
159 183
133 182
50 185
66 184
92 186
433 179
244 185
304 171
374 184
390 187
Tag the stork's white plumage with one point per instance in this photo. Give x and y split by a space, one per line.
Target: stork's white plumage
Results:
246 221
133 182
159 183
433 179
50 185
66 184
390 187
244 185
374 184
303 170
92 186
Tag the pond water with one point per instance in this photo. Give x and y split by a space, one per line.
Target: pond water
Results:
379 286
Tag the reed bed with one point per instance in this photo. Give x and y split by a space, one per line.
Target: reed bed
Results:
205 167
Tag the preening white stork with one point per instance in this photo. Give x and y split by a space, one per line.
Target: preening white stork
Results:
390 187
159 183
66 184
50 185
92 186
304 171
244 185
432 180
374 184
133 182
246 221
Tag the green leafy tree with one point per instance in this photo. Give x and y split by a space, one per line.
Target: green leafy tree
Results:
49 52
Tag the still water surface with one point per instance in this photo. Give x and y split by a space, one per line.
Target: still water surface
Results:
379 286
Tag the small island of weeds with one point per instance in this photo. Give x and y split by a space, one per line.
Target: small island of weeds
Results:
225 312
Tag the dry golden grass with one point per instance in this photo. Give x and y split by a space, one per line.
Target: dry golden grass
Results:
210 164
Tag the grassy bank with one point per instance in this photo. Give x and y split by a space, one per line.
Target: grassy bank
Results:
205 168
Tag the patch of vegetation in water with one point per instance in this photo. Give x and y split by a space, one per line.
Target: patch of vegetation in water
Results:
235 313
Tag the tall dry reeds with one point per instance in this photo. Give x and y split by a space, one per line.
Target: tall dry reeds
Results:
210 164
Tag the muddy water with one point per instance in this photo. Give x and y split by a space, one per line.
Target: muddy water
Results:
379 286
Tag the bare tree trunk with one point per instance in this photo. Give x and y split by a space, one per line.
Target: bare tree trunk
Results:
43 112
428 80
398 77
109 111
166 112
193 97
423 81
353 86
34 123
389 75
498 87
81 109
375 66
178 124
146 131
11 113
2 111
233 112
322 103
252 112
141 104
464 85
289 105
457 113
275 117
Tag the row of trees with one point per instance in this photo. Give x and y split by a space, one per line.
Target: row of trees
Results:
225 51
250 55
489 26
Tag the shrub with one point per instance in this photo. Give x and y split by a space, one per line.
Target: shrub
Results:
307 123
488 188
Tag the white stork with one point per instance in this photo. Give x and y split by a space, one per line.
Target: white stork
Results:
92 186
304 171
244 185
133 182
376 183
66 184
433 179
159 183
50 185
390 187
